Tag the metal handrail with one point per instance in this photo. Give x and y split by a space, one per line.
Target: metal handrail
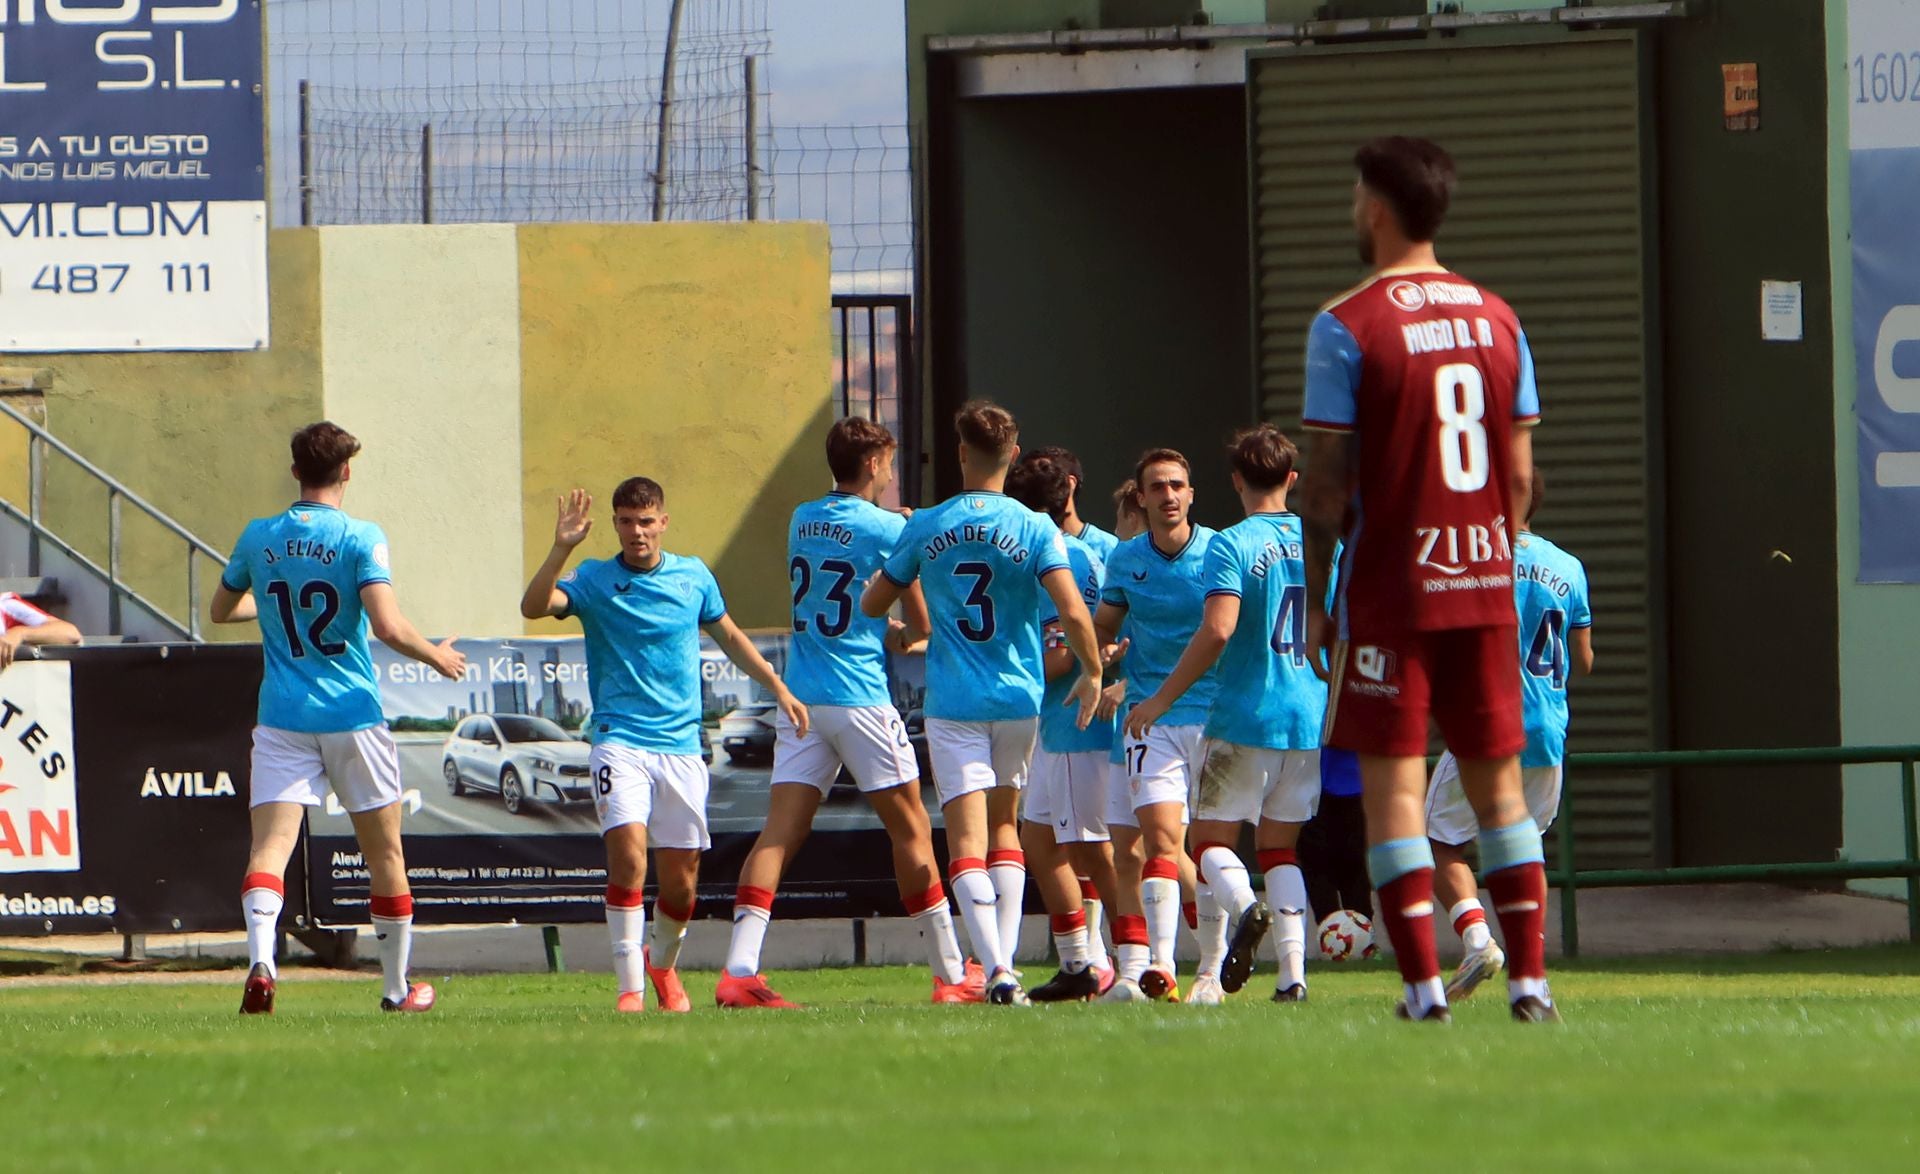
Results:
1569 879
40 440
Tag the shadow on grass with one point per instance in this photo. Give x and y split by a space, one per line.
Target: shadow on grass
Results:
1893 960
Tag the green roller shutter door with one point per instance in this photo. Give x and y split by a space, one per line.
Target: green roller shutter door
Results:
1547 138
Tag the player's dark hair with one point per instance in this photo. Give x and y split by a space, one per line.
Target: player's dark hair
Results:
320 452
1158 456
1040 483
1263 456
1127 498
639 493
1063 457
850 442
1537 494
1414 176
986 427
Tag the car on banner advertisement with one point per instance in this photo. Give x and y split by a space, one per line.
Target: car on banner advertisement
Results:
521 759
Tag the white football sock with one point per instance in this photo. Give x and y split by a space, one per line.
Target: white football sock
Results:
1130 961
1096 944
395 935
262 908
1160 897
1422 996
749 935
1211 933
668 933
628 929
1222 870
980 909
1010 892
1476 935
1520 988
1287 894
943 949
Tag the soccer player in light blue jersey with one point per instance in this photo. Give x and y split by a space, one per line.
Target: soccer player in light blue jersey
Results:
1071 524
1556 634
1064 832
1263 732
325 578
642 612
836 666
1154 588
984 562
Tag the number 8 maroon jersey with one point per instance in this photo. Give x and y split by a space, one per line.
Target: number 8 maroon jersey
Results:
1433 374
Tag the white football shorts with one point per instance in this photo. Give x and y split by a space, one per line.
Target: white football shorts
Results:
979 756
361 766
1068 793
869 740
1450 818
1119 810
665 792
1247 784
1165 767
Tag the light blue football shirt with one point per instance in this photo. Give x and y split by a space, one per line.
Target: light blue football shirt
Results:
1060 732
1550 593
1269 695
1164 596
979 558
305 568
834 546
1098 541
643 648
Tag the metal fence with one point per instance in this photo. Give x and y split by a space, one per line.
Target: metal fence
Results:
873 376
1568 878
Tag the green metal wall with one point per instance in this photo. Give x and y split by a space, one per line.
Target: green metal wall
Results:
1548 139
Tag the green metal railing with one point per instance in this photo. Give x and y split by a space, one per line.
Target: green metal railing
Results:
1570 880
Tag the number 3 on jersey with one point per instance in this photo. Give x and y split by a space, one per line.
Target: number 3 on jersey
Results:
1460 398
978 627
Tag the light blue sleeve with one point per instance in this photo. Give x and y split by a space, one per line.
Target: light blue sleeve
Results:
1526 393
1112 590
903 565
1333 374
239 573
372 561
888 527
1220 574
1579 610
575 585
712 607
1049 547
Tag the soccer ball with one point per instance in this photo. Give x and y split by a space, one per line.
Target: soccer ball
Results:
1346 936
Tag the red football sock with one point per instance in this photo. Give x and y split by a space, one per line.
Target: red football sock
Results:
1520 901
1406 905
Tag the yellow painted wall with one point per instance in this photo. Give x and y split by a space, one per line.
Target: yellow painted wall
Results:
421 331
201 435
695 354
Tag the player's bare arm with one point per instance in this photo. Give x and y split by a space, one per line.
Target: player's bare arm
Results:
747 658
1221 617
575 521
880 596
1081 638
1581 642
1322 497
1522 474
397 632
233 607
47 632
1111 698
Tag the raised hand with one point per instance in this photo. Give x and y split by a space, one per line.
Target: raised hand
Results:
575 521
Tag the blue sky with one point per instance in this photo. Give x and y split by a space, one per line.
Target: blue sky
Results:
838 62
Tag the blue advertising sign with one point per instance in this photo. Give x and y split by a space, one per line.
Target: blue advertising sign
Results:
132 175
1884 93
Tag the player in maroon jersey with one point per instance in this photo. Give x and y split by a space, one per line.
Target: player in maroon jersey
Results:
1420 391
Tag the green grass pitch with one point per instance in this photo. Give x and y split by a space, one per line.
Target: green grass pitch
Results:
1789 1061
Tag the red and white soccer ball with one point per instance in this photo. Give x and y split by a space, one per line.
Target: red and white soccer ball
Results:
1346 936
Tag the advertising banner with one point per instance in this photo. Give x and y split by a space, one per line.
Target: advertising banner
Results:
128 807
500 822
1884 95
132 176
